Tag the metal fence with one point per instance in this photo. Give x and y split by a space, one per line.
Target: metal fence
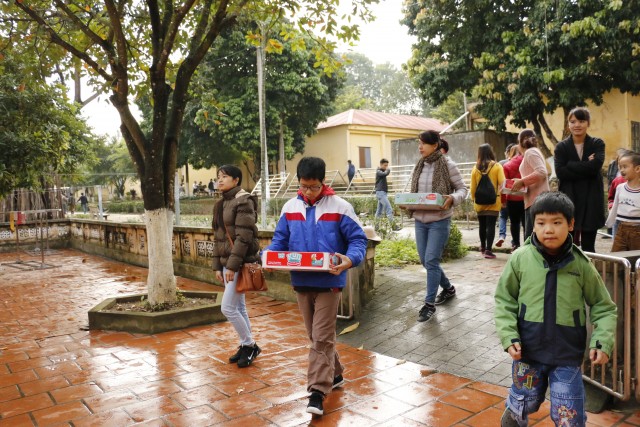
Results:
363 183
617 376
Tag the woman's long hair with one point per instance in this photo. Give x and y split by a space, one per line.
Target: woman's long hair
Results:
527 139
485 157
234 172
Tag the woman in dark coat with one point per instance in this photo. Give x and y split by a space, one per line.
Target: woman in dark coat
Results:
578 163
236 242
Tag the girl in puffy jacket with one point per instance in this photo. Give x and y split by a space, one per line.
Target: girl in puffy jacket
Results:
236 242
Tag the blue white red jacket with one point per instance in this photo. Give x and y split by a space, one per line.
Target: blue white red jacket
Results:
329 225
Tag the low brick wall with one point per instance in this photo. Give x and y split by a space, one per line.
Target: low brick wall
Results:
192 250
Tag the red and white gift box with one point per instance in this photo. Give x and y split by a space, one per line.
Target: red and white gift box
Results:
298 261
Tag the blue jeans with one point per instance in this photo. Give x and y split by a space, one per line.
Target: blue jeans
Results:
383 205
530 382
504 216
235 310
431 239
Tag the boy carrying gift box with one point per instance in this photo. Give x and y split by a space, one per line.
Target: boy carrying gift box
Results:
319 221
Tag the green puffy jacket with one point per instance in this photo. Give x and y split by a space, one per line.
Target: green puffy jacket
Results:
543 306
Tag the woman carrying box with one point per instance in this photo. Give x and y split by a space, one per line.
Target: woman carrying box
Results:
435 173
515 203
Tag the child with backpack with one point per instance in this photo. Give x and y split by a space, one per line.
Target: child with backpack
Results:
487 177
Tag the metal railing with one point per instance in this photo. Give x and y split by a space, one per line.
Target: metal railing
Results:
616 377
276 184
636 325
363 183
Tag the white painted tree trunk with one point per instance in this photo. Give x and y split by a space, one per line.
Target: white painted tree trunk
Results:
161 282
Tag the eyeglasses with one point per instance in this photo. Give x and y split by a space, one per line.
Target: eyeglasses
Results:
312 188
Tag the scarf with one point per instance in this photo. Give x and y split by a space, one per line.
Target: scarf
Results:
441 181
326 191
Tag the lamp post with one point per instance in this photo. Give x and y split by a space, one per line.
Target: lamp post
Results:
264 158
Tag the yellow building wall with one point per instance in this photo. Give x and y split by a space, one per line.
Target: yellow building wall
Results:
610 121
338 144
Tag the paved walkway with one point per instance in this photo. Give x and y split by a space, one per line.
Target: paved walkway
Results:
53 372
461 339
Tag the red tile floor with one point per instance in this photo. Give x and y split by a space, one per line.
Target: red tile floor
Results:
53 372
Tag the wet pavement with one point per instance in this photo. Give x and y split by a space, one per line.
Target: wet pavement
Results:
53 372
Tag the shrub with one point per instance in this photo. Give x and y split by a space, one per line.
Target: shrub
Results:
399 252
126 206
396 253
455 248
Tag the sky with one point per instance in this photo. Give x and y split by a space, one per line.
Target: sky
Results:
383 40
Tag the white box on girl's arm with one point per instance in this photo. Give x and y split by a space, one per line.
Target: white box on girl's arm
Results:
420 201
299 261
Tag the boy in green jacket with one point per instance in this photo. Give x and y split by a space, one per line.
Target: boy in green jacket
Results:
541 320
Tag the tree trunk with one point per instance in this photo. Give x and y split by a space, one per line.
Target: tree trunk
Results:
552 138
161 281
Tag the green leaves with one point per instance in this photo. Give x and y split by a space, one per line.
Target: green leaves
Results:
526 57
41 133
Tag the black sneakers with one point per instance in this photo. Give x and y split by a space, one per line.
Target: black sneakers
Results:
247 355
236 357
338 381
426 312
445 295
315 403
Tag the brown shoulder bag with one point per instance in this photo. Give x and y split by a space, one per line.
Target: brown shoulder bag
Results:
251 276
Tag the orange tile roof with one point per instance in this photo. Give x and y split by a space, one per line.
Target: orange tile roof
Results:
374 118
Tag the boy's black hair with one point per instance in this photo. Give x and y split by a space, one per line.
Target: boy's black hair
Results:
633 156
551 202
383 160
311 168
232 171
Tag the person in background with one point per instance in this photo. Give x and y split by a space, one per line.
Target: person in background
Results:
578 163
533 170
351 170
435 173
487 214
612 191
84 202
626 205
317 220
504 211
515 204
211 187
236 242
381 191
541 319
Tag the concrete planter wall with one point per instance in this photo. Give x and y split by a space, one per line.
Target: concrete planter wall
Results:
192 250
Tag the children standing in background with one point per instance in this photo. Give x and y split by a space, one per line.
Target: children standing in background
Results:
626 205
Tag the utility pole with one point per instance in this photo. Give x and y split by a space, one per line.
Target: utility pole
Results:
264 158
